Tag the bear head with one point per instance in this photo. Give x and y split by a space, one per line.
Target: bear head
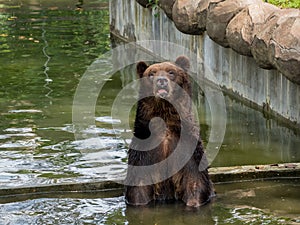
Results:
164 80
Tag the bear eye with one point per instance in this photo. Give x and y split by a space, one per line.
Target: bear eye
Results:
171 74
151 75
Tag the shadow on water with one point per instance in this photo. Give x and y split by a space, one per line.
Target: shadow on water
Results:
45 48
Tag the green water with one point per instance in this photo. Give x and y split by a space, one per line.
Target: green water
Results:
45 48
273 202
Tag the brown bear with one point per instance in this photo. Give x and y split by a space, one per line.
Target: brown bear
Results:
170 164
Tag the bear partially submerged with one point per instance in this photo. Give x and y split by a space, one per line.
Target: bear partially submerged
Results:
166 160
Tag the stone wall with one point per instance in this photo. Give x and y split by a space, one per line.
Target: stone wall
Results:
225 35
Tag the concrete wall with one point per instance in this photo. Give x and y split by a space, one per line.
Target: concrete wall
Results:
238 74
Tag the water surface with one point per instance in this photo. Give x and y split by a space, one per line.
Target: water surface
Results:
45 48
271 202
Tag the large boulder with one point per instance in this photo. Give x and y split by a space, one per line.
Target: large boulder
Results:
220 13
190 16
144 3
261 41
167 6
242 28
250 27
284 48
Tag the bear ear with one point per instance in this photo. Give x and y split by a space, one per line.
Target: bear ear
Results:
140 68
183 62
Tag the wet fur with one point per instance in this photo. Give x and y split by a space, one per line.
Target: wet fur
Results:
189 184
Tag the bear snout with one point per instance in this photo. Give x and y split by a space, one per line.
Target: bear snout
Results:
161 87
162 82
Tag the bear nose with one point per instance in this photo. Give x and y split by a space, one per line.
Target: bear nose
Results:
162 82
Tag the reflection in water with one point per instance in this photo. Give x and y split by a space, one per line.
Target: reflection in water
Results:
45 48
48 58
258 203
170 214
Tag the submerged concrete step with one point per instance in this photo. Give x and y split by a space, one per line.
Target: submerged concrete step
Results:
218 175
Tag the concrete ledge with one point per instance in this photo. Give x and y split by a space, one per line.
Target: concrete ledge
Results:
218 175
250 172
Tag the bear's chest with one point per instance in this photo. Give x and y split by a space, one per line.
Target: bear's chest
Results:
168 144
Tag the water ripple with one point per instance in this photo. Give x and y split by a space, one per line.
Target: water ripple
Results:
25 111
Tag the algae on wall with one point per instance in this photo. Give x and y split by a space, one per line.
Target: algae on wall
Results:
241 75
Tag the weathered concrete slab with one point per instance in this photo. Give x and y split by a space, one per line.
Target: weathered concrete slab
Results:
249 172
218 174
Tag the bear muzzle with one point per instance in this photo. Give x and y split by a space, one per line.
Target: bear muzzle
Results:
161 87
